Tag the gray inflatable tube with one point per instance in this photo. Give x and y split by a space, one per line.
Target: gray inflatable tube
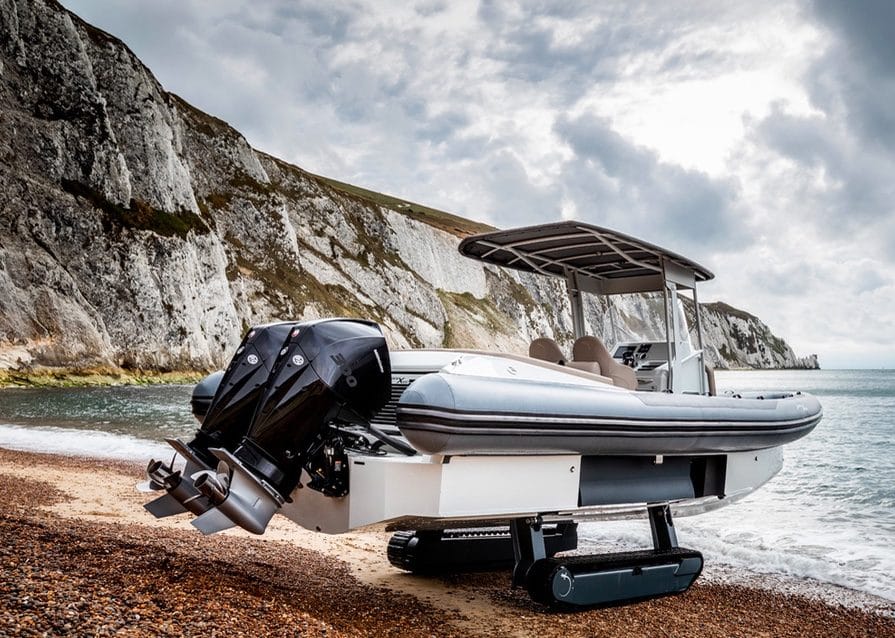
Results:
443 413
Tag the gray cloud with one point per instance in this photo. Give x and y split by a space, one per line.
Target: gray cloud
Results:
616 183
858 73
534 46
429 8
442 127
325 21
516 200
844 157
866 25
805 139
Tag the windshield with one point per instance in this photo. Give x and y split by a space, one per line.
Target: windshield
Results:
641 317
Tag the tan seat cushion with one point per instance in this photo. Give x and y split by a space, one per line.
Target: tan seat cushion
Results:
592 349
588 366
546 349
583 374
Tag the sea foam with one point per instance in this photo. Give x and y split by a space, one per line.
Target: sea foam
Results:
72 442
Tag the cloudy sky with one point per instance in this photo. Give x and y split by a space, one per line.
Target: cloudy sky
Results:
757 138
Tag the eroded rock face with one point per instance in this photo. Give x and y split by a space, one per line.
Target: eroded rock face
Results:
738 339
137 231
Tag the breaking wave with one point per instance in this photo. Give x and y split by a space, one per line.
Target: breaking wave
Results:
88 443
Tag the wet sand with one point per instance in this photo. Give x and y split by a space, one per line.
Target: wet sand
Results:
79 556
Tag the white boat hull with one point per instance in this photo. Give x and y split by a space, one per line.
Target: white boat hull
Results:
436 492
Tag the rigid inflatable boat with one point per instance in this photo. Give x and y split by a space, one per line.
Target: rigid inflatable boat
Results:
484 460
491 406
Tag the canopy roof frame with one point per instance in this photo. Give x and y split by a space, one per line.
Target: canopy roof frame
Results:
638 265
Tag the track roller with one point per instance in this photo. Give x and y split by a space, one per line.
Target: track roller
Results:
603 579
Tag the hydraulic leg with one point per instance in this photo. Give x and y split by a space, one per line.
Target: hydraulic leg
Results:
528 547
662 527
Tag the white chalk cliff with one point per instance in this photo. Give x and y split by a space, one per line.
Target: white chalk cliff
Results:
140 232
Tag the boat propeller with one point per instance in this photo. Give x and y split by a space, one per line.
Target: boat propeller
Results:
156 475
235 496
180 496
214 485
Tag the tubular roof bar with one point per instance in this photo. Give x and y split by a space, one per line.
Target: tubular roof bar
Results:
560 262
606 262
567 246
535 240
621 253
524 257
520 256
600 241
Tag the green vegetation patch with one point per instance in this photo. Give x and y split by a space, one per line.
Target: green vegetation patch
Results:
482 309
202 122
519 293
290 289
454 224
725 352
101 376
96 34
139 215
723 309
448 340
246 182
778 345
213 202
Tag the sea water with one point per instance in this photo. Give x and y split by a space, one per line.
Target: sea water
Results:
829 515
117 422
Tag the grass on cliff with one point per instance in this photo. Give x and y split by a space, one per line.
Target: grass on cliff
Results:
139 215
208 125
481 311
454 224
721 308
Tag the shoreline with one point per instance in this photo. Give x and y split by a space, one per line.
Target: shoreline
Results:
73 377
79 550
83 377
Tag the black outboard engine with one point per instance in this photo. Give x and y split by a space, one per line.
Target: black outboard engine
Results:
240 388
226 402
274 415
328 371
203 394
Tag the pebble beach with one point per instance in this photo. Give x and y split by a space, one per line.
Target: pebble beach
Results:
80 557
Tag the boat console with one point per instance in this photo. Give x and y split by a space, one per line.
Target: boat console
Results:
649 359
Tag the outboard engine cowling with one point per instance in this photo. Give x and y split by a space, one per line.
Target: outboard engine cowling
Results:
203 394
275 413
332 370
239 390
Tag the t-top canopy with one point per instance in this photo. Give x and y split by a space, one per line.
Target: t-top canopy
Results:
596 259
